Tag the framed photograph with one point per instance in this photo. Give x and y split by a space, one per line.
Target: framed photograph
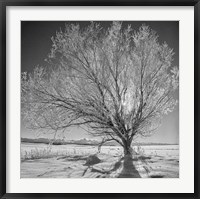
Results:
99 99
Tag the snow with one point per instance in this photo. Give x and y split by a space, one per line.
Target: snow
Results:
68 161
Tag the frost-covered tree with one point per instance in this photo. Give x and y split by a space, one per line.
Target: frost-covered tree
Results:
116 83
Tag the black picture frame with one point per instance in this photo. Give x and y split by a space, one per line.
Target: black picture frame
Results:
6 3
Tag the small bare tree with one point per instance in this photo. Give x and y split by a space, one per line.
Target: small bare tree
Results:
116 83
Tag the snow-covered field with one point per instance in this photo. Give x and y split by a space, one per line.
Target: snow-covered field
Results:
84 161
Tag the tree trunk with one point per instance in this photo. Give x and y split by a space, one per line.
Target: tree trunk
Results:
127 148
129 170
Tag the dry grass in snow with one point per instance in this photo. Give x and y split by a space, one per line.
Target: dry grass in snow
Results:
69 161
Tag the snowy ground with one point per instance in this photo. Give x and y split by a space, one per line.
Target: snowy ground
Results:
69 161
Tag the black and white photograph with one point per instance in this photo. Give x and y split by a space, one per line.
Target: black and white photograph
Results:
99 99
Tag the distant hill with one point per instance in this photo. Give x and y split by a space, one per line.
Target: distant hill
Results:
82 142
59 141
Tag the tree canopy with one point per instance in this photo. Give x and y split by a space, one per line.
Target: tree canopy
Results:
116 83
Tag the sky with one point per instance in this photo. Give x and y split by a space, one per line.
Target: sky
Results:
36 44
